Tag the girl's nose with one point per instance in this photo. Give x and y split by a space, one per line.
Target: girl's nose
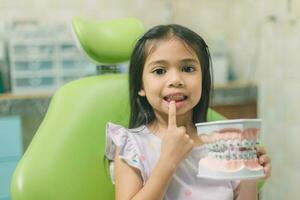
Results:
177 84
175 80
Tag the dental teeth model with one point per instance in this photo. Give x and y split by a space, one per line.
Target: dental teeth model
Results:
230 149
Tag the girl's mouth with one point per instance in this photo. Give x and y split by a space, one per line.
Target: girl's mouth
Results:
175 97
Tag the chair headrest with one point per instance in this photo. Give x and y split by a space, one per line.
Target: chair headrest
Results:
107 41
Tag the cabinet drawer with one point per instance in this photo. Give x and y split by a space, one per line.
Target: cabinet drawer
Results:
33 49
35 81
6 172
10 136
34 65
70 64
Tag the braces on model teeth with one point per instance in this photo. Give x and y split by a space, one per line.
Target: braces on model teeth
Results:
230 151
234 146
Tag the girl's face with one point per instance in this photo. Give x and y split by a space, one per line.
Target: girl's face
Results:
172 71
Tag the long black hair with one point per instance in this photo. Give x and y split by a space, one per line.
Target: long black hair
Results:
141 111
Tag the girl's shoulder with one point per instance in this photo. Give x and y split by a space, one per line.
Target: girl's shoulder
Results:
118 135
139 139
116 129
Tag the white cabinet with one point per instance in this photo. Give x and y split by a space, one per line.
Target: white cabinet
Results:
41 65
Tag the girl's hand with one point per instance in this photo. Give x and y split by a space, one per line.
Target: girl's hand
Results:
264 160
176 143
247 189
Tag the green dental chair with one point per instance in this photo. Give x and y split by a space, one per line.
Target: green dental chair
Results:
65 160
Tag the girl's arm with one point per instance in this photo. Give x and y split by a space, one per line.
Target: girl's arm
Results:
246 190
129 184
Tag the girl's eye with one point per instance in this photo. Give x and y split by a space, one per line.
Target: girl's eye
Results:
188 69
159 71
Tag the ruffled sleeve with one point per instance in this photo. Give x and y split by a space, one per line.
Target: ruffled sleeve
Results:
121 138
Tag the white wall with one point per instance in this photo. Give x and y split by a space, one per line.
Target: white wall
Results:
150 12
279 76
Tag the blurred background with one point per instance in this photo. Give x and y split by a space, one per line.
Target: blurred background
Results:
254 46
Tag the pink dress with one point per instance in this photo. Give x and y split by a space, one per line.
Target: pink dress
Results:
141 149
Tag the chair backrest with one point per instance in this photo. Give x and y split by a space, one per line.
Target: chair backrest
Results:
65 157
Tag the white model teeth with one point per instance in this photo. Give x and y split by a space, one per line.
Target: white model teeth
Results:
227 155
240 155
237 143
230 144
253 143
233 155
253 154
212 146
231 149
223 146
248 144
247 155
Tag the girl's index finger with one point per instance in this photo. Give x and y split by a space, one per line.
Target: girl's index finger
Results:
172 114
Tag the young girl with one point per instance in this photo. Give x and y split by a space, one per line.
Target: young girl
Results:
157 157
